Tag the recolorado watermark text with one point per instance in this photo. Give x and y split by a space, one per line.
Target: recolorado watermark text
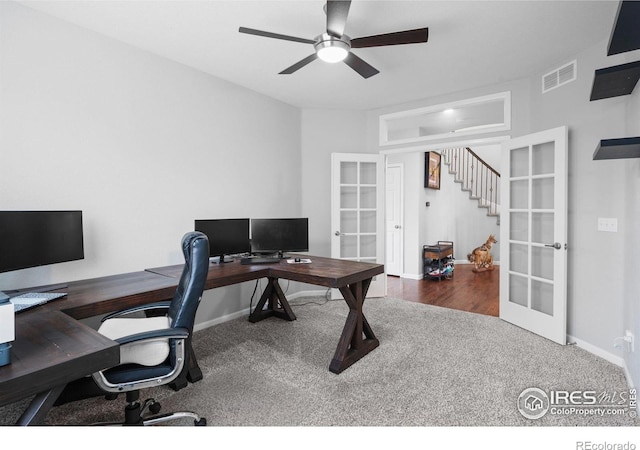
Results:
588 445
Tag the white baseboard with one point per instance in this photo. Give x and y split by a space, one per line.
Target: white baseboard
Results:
412 276
245 312
222 319
612 358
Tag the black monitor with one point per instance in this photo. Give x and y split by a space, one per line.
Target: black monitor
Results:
279 235
38 238
226 237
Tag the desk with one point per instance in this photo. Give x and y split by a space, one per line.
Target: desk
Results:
350 277
52 348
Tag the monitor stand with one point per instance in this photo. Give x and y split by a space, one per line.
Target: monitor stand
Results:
220 259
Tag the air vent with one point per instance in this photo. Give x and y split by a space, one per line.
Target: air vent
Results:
559 77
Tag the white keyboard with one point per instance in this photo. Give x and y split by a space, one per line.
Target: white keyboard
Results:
31 299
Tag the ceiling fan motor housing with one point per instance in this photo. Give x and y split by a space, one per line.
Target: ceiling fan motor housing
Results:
332 49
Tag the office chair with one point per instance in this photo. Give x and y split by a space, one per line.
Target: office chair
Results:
153 349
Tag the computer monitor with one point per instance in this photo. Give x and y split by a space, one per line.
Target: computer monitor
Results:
38 238
279 235
226 237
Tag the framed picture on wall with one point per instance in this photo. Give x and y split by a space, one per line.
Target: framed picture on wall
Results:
432 170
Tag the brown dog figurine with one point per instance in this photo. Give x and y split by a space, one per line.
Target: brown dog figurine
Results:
481 256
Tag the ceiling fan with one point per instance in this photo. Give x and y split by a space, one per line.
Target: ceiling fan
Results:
335 46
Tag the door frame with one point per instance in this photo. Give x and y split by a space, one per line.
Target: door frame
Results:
436 146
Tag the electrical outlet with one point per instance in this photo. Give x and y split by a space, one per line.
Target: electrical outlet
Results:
608 224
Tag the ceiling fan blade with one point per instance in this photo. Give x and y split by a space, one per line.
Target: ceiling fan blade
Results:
363 68
337 12
274 35
400 37
299 65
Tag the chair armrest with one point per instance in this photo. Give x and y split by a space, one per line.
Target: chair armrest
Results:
167 333
147 307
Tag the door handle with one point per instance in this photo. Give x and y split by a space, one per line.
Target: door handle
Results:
397 227
337 233
555 245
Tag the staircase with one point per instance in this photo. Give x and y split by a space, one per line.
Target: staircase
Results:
476 177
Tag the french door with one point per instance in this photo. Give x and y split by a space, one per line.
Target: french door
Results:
533 233
357 219
394 219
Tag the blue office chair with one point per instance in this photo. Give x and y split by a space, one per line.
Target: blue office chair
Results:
154 349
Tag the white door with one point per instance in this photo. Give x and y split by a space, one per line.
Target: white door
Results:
357 206
393 207
533 233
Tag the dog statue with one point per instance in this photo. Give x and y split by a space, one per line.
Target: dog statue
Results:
481 256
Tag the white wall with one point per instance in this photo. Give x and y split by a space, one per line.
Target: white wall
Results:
597 277
325 131
141 144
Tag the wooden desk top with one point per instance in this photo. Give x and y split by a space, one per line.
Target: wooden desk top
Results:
50 350
52 347
321 271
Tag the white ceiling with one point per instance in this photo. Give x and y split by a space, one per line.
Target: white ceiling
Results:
471 43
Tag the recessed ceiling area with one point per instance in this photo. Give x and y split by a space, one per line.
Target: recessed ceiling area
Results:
471 43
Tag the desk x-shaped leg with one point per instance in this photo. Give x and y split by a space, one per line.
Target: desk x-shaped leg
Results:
357 338
277 306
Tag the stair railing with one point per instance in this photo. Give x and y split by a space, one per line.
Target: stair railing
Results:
475 176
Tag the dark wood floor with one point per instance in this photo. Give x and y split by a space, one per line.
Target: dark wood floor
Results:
466 290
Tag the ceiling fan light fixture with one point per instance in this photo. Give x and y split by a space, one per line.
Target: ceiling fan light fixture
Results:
331 49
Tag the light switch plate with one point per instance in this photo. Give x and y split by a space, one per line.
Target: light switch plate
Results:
609 224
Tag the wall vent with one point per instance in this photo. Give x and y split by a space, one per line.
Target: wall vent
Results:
559 77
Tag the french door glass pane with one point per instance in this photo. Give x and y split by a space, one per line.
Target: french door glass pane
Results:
519 258
519 194
349 246
518 287
519 226
368 221
348 172
368 172
542 227
542 297
542 262
367 197
348 197
348 222
519 162
542 193
543 159
367 246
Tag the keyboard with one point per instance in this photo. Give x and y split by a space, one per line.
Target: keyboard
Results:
32 299
260 260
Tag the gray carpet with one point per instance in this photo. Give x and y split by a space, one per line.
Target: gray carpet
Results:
434 367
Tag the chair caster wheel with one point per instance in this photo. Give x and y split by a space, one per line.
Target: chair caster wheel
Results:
155 408
200 423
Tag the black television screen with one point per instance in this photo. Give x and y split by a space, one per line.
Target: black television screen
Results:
279 235
226 236
37 238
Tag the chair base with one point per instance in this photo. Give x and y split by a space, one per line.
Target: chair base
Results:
134 413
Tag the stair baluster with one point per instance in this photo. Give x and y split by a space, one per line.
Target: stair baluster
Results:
475 176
